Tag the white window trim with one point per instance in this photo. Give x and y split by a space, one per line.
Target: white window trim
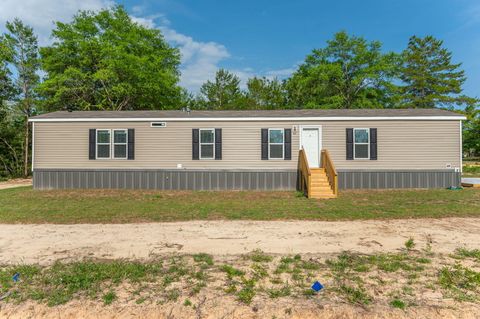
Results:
355 144
113 143
283 144
200 143
97 144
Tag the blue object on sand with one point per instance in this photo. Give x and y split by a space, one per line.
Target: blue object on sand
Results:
16 277
317 286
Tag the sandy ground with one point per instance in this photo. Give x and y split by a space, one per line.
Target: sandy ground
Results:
230 309
15 183
46 243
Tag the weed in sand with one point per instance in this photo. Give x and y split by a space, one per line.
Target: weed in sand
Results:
410 244
200 275
277 293
468 253
397 303
187 303
231 271
259 256
198 287
203 258
247 292
276 280
109 297
343 262
461 281
259 271
231 287
355 295
172 295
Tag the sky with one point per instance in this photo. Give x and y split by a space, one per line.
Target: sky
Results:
271 38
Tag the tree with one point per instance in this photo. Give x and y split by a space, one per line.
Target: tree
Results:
22 55
105 61
471 131
348 73
263 93
430 77
11 141
223 93
6 87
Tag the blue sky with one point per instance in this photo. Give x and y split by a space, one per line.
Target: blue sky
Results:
269 38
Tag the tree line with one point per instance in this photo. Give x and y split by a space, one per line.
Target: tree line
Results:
105 61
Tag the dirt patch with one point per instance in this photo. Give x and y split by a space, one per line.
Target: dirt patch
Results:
45 243
16 183
230 309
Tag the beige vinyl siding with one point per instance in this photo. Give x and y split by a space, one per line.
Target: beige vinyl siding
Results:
401 145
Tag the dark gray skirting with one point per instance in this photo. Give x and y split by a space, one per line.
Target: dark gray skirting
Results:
384 179
165 179
235 180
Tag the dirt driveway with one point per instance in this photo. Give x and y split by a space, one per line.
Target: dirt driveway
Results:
47 243
16 183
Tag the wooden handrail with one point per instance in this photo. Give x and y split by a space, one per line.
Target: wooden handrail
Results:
330 170
305 173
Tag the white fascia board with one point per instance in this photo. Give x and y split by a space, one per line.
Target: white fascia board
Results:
255 119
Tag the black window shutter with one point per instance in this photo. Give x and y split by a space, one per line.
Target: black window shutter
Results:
195 144
218 143
91 143
349 143
264 143
288 144
373 143
131 144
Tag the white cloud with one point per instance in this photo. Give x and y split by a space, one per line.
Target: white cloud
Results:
281 74
41 14
200 60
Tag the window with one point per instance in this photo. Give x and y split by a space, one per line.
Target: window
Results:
275 143
120 144
103 143
207 143
361 143
112 146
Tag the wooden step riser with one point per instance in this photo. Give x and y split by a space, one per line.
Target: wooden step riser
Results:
322 191
323 197
319 185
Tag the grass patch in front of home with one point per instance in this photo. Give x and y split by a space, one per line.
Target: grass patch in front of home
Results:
398 280
25 205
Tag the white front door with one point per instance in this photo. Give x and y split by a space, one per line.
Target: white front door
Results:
311 144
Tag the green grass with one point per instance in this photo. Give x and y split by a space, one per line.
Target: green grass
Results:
355 295
109 297
410 244
231 271
471 170
259 256
462 282
397 303
468 253
358 279
25 205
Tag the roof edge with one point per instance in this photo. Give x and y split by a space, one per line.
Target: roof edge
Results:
256 119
